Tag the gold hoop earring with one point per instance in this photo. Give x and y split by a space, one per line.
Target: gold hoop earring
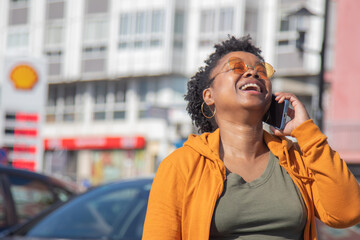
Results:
202 110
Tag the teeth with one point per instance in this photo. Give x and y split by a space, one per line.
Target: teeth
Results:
252 85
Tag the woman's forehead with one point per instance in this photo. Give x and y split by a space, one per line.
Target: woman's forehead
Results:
247 57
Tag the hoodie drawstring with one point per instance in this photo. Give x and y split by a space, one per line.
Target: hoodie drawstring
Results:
301 177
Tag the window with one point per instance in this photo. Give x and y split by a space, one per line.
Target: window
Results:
100 99
125 24
65 102
52 95
157 21
140 23
3 222
96 6
100 92
179 29
55 10
251 22
120 91
18 39
94 59
179 22
226 19
54 35
95 30
30 196
54 59
207 21
141 29
284 25
215 24
18 12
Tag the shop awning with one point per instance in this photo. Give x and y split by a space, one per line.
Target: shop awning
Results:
137 142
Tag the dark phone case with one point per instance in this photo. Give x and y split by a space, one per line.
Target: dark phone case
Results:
276 116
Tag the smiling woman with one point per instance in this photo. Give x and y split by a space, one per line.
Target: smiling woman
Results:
238 181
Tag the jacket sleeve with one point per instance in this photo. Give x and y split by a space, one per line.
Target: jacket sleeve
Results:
163 216
336 193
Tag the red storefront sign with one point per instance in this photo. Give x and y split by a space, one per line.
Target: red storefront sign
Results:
95 143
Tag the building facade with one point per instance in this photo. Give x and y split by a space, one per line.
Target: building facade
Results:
117 71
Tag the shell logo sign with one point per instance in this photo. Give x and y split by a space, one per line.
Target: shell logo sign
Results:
24 77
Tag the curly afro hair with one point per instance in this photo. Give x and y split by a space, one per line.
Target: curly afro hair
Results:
201 80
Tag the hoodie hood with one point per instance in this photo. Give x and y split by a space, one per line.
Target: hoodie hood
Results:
207 145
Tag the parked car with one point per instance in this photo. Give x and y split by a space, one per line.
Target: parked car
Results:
328 233
23 194
113 211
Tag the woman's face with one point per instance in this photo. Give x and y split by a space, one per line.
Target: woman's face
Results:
239 86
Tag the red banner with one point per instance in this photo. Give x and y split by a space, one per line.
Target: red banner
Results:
95 143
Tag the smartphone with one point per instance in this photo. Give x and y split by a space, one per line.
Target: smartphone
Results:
277 113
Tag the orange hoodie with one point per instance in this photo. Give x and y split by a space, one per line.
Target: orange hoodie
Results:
190 180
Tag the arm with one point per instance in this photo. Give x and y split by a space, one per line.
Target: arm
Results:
336 192
163 216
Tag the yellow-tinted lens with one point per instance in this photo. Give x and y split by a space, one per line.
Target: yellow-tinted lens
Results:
237 65
269 70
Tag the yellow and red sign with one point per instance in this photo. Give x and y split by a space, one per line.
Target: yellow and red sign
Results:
24 77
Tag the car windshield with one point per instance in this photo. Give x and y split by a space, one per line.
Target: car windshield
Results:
115 211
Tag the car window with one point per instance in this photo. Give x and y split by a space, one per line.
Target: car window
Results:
62 194
2 210
101 213
30 196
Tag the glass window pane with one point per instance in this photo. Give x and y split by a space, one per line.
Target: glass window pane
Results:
99 115
207 22
18 40
125 21
52 95
3 222
69 94
140 23
54 35
100 92
55 10
96 6
95 30
120 91
108 213
119 115
157 21
30 196
226 19
179 22
18 16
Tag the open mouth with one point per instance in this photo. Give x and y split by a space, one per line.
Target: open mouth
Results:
251 87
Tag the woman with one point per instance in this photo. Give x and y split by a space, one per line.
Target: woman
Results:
237 181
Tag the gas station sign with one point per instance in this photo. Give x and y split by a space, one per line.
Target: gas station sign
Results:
22 107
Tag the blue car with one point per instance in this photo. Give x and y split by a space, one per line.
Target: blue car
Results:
111 211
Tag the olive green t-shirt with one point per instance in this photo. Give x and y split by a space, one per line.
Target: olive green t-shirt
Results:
270 207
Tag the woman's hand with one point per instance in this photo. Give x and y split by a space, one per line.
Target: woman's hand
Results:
298 113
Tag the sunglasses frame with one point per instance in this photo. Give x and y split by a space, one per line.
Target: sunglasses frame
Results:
266 65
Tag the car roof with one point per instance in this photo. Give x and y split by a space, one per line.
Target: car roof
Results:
71 187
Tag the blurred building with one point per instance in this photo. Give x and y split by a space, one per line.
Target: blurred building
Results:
117 71
343 116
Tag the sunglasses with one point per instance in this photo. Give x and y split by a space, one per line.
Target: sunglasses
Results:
263 69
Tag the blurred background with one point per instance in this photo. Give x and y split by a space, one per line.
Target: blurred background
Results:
92 90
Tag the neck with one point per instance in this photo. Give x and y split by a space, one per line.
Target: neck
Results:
242 142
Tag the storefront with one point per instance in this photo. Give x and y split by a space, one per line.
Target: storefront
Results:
95 160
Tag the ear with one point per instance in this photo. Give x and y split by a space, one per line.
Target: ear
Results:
208 97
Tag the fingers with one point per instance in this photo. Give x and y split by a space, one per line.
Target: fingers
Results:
298 113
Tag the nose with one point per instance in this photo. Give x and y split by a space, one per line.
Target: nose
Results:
252 73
